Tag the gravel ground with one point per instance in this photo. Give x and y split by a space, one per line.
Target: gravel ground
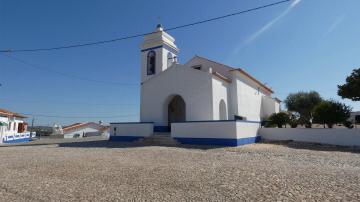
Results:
98 170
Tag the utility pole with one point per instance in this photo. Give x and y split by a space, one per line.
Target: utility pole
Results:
32 127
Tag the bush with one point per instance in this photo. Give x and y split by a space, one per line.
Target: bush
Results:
331 112
293 121
348 124
279 119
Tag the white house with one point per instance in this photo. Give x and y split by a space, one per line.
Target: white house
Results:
84 130
13 128
201 90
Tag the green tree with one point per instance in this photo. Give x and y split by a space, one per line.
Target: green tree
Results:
351 89
303 103
279 119
330 112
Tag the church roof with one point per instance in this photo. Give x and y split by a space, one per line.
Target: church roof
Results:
225 71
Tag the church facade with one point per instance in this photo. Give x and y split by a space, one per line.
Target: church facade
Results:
200 102
198 90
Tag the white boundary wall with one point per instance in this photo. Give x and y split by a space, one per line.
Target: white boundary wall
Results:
132 129
338 136
215 129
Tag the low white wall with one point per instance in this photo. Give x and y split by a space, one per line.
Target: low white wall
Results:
215 129
247 129
338 136
131 129
82 131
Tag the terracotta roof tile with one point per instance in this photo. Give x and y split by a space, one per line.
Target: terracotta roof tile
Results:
7 113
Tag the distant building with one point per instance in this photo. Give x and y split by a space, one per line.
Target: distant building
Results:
355 116
84 130
13 128
57 129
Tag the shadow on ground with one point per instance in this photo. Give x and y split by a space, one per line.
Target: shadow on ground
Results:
102 143
105 143
314 146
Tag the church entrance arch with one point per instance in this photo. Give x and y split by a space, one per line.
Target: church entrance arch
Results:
176 109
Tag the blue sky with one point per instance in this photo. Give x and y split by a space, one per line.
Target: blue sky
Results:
301 45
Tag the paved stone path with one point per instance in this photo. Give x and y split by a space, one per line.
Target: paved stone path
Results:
98 170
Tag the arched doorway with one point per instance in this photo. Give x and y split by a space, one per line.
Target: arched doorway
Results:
222 110
176 110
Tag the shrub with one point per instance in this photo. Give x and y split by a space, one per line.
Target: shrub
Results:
279 119
293 121
331 112
348 124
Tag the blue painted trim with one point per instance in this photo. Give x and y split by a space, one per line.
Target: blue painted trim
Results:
162 129
17 140
162 46
131 122
125 138
219 121
156 47
219 141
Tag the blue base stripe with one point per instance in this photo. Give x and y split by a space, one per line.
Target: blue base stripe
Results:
219 141
125 138
17 140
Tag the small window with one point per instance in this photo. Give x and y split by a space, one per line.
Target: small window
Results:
198 67
170 59
114 129
151 62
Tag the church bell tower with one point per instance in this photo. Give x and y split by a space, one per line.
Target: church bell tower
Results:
158 52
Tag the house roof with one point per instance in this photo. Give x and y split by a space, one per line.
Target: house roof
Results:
277 99
222 77
253 79
229 69
81 125
4 112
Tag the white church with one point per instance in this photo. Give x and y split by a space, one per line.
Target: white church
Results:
192 98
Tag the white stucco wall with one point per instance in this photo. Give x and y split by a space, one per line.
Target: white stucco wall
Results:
219 129
11 133
247 129
215 129
248 101
269 106
11 122
131 129
192 85
89 129
336 136
220 91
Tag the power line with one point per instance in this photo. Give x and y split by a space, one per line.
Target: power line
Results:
72 117
66 74
65 102
140 35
